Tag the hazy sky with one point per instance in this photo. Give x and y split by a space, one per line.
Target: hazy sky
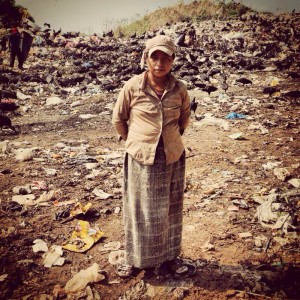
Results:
91 16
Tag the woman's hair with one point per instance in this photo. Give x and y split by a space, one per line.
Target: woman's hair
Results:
146 55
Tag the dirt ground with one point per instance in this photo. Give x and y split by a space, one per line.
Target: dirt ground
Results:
224 176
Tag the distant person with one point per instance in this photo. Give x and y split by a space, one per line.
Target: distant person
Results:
3 42
14 47
180 39
27 39
191 36
150 115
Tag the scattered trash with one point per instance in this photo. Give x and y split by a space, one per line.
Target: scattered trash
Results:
22 190
208 246
111 246
271 165
83 237
47 196
101 194
87 116
25 154
245 235
116 257
39 246
53 257
83 278
3 277
281 173
237 136
260 127
50 172
210 120
136 291
24 199
40 185
295 182
53 101
234 115
266 213
80 209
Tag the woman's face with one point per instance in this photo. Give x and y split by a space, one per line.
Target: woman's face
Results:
159 63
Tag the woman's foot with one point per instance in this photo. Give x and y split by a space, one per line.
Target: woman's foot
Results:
124 270
182 268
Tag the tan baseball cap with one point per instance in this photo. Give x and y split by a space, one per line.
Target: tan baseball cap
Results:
160 42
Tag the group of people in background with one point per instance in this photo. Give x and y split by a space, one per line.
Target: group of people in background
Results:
18 42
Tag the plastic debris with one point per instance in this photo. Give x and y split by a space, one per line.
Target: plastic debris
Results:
83 278
53 257
24 199
295 182
80 209
47 196
208 246
237 136
234 115
111 246
87 116
210 120
3 277
263 130
281 173
271 165
245 235
22 190
116 257
39 246
101 194
83 237
24 154
53 101
40 185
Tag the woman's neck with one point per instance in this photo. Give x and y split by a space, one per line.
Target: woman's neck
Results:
160 82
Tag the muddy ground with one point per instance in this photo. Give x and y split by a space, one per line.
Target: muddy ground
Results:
224 177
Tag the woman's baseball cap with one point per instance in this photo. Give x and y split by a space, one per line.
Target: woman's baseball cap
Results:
162 43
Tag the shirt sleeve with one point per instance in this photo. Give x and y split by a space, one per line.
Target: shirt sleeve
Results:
121 112
185 112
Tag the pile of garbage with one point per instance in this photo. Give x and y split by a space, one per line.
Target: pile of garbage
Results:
74 64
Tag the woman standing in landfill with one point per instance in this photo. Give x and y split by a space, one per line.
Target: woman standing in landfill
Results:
151 113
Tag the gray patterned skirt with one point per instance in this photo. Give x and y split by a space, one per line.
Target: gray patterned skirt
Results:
152 210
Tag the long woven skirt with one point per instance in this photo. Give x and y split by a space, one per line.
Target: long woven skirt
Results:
152 210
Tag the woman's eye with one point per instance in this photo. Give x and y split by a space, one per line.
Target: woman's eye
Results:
163 59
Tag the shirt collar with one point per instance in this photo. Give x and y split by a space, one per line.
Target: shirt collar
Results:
143 82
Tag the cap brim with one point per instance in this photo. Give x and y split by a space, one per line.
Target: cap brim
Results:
161 48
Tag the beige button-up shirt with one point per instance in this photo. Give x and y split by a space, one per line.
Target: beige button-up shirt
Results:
140 118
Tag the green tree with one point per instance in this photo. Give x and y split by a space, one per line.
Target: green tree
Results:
10 14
